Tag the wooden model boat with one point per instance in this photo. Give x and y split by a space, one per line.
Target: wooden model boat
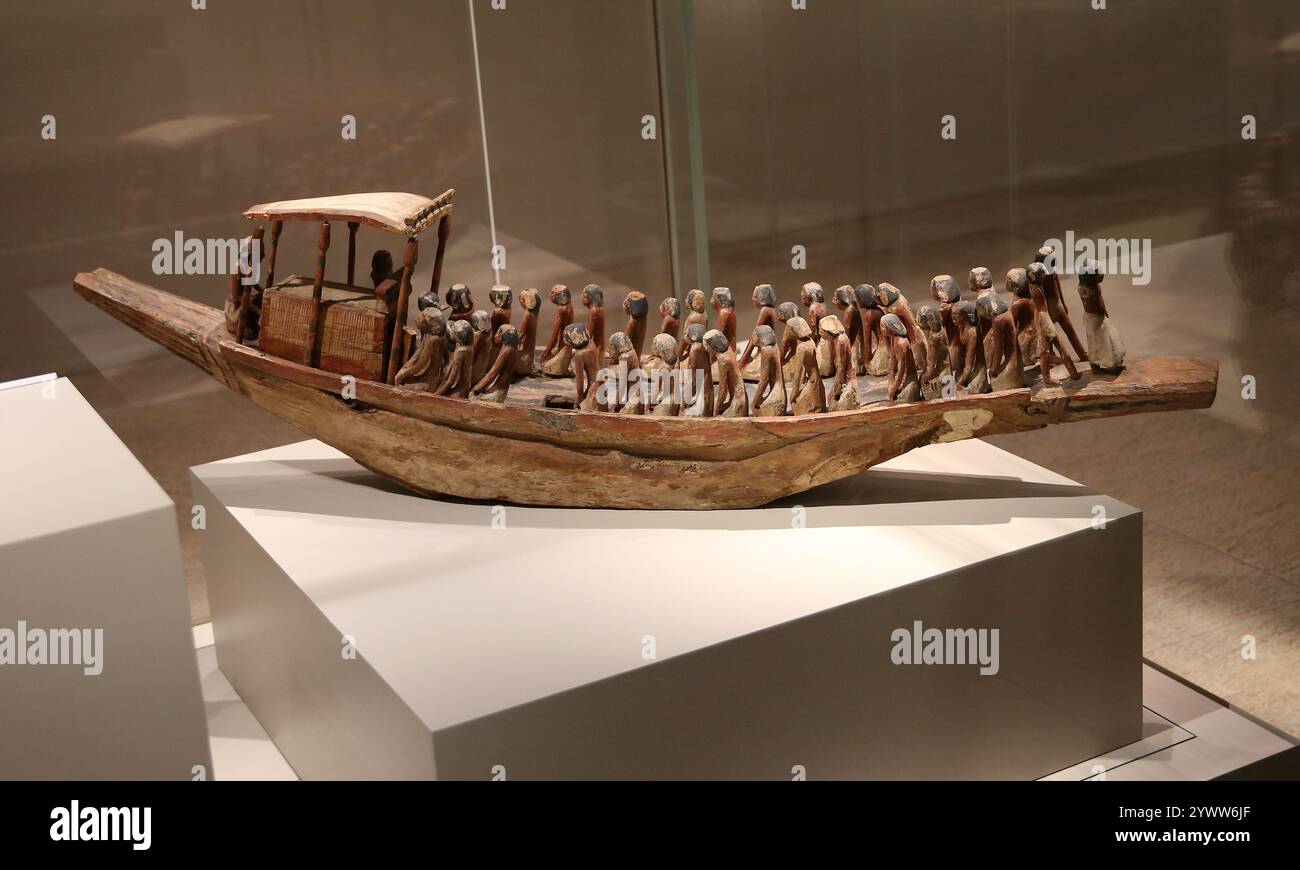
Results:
523 452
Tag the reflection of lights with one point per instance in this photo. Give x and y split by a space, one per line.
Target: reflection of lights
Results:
182 132
1289 45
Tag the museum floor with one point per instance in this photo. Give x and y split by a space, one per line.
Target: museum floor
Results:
1222 543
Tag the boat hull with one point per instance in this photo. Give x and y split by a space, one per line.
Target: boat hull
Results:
528 455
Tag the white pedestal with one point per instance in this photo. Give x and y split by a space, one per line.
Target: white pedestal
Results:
581 643
88 542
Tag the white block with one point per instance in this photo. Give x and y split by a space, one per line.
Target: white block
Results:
592 643
88 541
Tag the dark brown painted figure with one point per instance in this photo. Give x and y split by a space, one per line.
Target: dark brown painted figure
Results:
585 366
556 354
1056 309
531 303
1001 350
764 297
458 378
1105 348
594 298
943 290
851 315
637 309
971 372
423 371
495 383
503 301
1049 343
460 301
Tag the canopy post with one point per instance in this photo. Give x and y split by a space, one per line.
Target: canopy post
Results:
313 325
276 226
243 270
409 258
352 251
444 230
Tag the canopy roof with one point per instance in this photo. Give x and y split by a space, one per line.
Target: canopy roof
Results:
395 212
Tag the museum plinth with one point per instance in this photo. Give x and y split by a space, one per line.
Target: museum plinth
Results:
377 633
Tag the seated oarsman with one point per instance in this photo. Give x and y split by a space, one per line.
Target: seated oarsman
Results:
384 278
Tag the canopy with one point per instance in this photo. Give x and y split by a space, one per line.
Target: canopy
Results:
395 212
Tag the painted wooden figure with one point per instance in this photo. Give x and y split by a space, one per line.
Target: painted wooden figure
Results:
1105 348
904 382
558 353
771 398
423 371
594 298
1001 350
495 383
1050 348
733 399
844 388
637 309
809 395
503 301
671 312
531 303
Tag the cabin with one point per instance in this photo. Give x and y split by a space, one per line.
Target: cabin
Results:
340 326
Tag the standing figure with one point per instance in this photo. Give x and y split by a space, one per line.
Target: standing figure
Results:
726 308
697 373
904 384
637 308
502 306
1056 309
733 400
625 362
481 323
765 301
943 290
1049 343
874 353
1001 350
457 379
460 302
495 382
770 397
671 312
594 298
971 372
1105 349
660 369
813 299
938 369
892 301
423 371
784 312
1022 315
557 353
846 301
578 341
835 344
531 302
809 396
695 304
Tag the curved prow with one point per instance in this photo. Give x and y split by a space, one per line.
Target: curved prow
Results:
188 329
